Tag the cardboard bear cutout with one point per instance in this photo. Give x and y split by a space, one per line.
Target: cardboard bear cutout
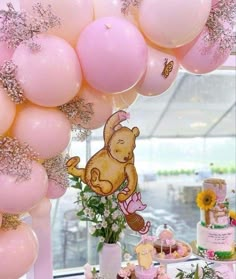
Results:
113 166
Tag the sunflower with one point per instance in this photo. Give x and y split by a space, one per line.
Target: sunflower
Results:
232 214
206 199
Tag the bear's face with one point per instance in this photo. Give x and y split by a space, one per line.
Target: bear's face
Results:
122 144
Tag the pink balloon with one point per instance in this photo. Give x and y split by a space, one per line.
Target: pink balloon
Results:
46 130
20 196
19 250
55 190
5 53
125 99
170 23
55 76
113 54
161 72
7 112
103 8
74 16
201 56
101 105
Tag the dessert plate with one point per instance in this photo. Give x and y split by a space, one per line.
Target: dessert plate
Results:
175 260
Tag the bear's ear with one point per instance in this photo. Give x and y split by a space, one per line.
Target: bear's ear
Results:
135 130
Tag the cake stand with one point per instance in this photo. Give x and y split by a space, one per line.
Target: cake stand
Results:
227 263
164 262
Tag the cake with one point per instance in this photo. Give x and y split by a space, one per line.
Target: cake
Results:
215 235
165 242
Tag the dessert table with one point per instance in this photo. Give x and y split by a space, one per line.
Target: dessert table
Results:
76 273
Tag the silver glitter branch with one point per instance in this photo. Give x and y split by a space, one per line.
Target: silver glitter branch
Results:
17 27
78 109
9 82
16 158
57 170
80 133
127 4
222 13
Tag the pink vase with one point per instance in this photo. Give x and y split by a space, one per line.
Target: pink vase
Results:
110 260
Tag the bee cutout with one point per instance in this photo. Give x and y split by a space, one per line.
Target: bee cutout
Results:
168 67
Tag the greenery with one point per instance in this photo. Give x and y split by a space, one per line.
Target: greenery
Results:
205 272
107 220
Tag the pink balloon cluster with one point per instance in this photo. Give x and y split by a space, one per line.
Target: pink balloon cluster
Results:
104 54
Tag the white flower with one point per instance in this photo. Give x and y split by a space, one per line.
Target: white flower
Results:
91 214
127 257
101 239
109 197
104 224
92 230
106 212
115 214
86 211
103 200
87 196
115 227
113 205
99 226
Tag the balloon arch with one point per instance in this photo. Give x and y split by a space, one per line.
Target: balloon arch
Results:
67 65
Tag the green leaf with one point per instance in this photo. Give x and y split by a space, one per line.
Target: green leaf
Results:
196 275
99 247
80 213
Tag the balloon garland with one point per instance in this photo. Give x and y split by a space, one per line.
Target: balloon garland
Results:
67 65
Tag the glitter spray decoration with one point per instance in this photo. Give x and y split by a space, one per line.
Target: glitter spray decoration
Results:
168 67
9 82
222 14
17 27
57 170
10 221
78 111
16 158
127 4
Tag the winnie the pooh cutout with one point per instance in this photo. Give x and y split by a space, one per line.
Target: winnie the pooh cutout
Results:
113 166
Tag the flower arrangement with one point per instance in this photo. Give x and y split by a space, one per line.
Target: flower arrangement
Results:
198 272
107 220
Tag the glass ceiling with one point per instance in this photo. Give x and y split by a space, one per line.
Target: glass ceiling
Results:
194 106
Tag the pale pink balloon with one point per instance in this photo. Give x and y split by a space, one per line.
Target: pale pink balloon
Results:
103 8
202 57
46 130
74 16
162 69
5 53
170 23
51 76
55 190
101 105
113 54
20 196
7 111
19 251
125 99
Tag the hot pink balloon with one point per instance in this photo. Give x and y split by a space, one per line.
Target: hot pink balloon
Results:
19 250
20 196
74 16
101 106
7 111
113 54
46 130
170 23
51 76
202 56
5 52
162 69
55 190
